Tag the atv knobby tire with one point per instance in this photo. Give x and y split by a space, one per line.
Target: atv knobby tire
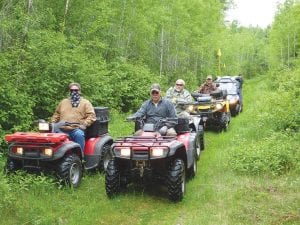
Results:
112 179
236 110
223 122
176 180
105 156
69 170
201 137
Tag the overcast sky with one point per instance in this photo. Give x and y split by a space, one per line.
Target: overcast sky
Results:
253 12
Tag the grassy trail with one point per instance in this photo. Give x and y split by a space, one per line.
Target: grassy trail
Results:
215 196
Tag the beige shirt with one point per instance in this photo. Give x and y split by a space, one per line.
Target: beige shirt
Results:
84 114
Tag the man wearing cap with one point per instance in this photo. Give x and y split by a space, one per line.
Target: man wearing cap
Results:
178 94
77 111
157 108
208 86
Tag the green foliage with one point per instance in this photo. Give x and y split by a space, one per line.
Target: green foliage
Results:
275 155
284 40
248 53
7 199
24 181
284 104
124 87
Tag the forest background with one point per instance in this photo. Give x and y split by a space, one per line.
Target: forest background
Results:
116 49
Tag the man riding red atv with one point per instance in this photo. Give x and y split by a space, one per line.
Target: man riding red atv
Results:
50 152
150 156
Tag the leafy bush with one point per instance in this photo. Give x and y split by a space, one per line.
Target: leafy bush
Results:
6 200
274 155
284 102
23 181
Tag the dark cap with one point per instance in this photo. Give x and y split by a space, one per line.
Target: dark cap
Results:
155 87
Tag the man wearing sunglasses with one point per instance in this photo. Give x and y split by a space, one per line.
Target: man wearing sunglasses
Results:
208 86
157 108
77 112
178 94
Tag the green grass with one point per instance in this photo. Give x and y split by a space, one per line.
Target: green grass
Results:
217 195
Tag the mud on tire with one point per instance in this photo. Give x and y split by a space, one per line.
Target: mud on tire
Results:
176 180
112 179
69 170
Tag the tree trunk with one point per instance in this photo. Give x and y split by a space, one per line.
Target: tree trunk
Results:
161 50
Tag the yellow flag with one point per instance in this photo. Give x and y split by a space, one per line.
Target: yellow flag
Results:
219 52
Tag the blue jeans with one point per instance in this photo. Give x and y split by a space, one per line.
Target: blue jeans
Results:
77 136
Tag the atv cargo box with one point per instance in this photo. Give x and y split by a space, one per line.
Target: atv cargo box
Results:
182 126
100 126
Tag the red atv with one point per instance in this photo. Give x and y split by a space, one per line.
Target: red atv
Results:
150 156
48 151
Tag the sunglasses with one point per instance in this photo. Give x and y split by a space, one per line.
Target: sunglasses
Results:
154 92
179 84
74 90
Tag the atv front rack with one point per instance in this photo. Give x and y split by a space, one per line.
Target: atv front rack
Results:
27 137
145 139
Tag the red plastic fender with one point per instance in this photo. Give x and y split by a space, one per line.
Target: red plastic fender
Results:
90 145
184 138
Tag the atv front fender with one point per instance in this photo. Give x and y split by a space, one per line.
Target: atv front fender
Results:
68 146
93 150
191 148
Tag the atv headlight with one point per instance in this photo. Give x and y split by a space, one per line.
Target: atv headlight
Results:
43 126
219 106
125 151
19 150
156 152
233 101
48 152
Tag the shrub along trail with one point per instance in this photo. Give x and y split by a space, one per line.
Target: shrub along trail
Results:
217 195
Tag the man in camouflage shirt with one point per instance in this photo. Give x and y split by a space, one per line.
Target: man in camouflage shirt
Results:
178 94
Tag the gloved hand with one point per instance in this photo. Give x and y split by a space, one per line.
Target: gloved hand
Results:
82 127
163 130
